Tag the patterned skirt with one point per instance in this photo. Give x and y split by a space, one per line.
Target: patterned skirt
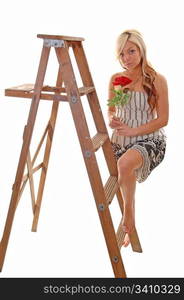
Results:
152 151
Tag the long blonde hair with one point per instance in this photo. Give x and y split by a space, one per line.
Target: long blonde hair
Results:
148 71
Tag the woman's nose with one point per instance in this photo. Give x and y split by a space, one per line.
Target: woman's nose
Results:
126 58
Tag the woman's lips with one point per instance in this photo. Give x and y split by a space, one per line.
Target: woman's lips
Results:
128 65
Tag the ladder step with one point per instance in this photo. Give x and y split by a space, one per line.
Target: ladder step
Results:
82 90
120 235
26 91
98 140
86 90
111 188
134 239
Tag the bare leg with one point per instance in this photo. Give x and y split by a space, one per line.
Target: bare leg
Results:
129 207
127 164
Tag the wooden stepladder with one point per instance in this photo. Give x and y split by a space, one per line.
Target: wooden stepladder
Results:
66 89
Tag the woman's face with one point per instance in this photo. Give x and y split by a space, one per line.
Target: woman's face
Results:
130 56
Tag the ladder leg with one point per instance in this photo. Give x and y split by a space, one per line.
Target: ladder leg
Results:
51 128
24 152
31 181
90 161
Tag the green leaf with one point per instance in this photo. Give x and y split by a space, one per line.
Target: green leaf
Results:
119 99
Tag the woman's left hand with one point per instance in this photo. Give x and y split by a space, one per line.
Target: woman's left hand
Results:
125 130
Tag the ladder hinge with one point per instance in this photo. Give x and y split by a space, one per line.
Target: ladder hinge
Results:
53 43
74 99
101 207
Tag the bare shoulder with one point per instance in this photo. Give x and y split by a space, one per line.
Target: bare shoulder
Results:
160 82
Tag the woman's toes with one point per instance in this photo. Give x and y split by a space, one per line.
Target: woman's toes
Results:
126 241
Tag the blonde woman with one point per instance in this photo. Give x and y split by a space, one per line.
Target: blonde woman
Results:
138 137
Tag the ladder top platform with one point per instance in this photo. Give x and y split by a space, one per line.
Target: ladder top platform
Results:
60 37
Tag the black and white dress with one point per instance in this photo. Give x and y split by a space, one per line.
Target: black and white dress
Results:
152 146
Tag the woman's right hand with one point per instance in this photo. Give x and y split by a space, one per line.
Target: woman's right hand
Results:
114 122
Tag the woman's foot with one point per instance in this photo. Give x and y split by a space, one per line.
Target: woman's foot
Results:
128 224
128 219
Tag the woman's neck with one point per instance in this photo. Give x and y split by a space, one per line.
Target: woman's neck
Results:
134 73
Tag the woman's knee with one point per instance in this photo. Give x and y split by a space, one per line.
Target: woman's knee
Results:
124 170
130 161
125 165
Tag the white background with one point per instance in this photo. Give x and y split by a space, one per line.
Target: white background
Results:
69 241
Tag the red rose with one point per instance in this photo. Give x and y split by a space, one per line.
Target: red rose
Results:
122 80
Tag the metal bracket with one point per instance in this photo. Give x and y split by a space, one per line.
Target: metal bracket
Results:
53 43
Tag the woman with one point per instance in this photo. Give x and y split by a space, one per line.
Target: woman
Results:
138 138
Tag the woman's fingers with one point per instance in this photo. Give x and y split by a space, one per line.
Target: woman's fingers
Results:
116 118
115 122
115 125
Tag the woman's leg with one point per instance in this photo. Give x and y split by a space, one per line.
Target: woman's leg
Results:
127 164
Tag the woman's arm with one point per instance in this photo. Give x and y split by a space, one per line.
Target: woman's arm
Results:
162 108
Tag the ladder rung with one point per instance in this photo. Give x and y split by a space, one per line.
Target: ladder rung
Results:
134 239
98 140
82 90
111 188
120 235
54 89
86 90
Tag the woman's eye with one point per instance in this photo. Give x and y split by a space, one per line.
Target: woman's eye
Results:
132 51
